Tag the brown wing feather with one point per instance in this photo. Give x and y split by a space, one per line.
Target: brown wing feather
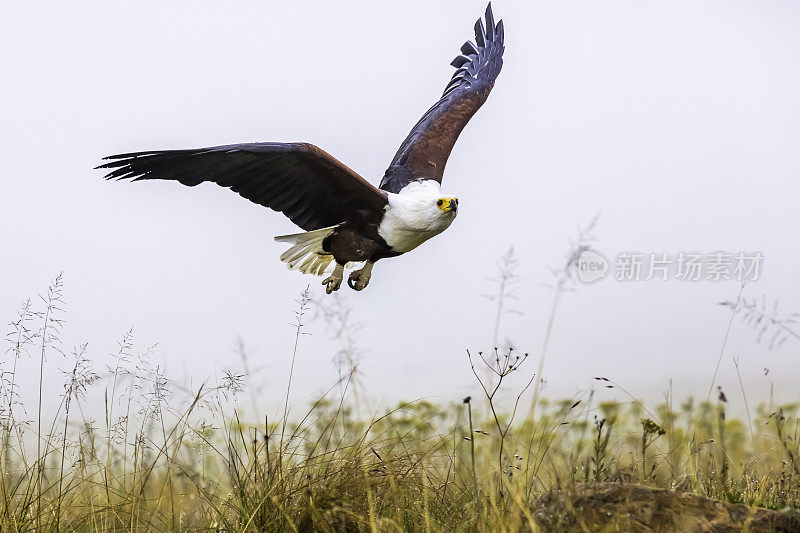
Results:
432 149
304 182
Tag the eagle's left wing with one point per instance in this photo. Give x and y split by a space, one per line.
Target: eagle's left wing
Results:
300 180
424 153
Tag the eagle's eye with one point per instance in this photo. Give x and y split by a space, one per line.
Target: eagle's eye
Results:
440 202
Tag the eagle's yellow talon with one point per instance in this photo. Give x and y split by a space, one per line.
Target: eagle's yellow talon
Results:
334 281
359 279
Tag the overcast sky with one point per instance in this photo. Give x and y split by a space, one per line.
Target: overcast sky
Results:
678 121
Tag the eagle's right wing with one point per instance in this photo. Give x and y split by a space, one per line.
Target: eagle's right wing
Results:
424 153
305 183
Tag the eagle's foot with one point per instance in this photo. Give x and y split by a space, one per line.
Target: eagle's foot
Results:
334 281
359 279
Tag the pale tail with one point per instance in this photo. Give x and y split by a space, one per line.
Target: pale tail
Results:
306 254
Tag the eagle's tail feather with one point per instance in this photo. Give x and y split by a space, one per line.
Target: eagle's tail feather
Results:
306 253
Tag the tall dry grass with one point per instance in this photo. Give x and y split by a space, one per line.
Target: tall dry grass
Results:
168 457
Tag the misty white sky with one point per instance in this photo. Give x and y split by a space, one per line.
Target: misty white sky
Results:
678 121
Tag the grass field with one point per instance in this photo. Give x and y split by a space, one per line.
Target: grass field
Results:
167 458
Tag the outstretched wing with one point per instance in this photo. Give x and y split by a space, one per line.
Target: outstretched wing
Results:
424 153
303 182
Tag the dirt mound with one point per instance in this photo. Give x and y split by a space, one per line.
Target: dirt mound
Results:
636 508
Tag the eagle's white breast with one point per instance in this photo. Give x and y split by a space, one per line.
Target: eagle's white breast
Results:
412 216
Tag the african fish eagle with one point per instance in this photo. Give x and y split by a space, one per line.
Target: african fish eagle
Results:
346 219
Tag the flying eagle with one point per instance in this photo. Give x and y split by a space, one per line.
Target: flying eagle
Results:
346 219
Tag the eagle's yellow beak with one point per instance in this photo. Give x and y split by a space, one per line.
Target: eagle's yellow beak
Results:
447 204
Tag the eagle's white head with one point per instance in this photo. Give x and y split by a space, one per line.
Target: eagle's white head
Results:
423 205
417 213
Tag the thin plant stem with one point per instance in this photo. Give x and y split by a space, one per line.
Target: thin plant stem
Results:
305 298
468 401
585 236
746 405
537 386
734 308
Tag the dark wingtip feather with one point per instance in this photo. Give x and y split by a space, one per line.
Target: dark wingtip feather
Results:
131 155
489 23
112 162
480 33
459 61
469 49
116 167
481 59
